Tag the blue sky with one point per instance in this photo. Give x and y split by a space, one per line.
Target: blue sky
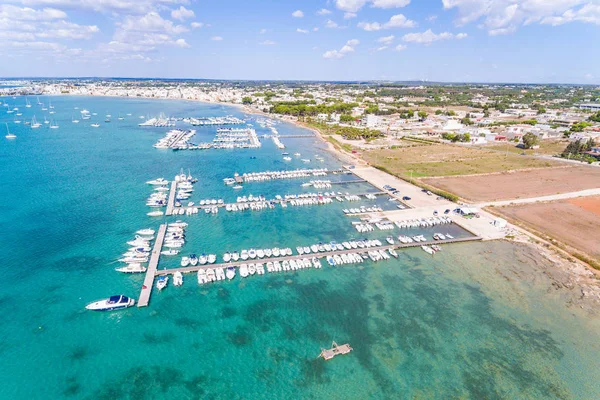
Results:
442 40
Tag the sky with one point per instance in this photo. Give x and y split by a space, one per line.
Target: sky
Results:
525 41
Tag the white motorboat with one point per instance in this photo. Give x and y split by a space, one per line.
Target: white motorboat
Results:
252 253
162 282
185 261
117 302
158 182
390 240
155 214
95 125
244 255
230 273
145 232
260 253
212 258
203 259
243 270
132 268
251 269
177 278
235 256
169 252
226 257
428 250
276 252
393 253
194 259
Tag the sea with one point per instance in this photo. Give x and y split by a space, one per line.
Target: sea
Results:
479 320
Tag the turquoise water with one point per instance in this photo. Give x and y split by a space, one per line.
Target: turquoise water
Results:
477 321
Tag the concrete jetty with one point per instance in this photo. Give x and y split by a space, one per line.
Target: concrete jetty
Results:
171 202
144 298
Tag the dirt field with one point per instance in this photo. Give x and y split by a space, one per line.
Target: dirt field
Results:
547 147
520 184
448 160
574 222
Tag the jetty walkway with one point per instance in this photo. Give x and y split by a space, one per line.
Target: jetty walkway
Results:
152 266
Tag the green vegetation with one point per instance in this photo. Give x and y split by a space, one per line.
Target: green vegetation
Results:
247 100
576 150
347 132
595 117
531 122
457 137
529 140
347 118
308 108
580 126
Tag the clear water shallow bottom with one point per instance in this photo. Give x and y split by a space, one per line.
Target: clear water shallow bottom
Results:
459 325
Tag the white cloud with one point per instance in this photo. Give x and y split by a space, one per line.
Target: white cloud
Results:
506 16
332 54
302 30
323 11
429 37
315 29
347 48
197 25
386 39
331 24
390 3
262 31
382 48
182 13
298 14
350 5
400 47
353 6
349 15
267 43
216 38
396 21
119 7
181 43
431 18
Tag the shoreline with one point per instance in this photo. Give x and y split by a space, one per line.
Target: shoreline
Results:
567 274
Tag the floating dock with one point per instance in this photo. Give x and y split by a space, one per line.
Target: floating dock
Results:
335 350
144 298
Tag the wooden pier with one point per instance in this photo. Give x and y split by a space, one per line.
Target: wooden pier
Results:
171 202
335 350
185 270
144 298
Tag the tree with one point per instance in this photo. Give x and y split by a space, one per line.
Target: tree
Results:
541 111
438 112
422 115
247 100
346 118
529 140
466 121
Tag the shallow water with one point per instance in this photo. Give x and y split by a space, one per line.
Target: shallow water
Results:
476 321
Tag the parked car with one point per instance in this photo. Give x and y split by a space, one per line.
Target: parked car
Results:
406 198
447 211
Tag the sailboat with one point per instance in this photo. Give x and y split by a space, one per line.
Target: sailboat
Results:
120 118
75 121
39 102
50 104
45 120
34 123
27 104
10 135
17 121
53 125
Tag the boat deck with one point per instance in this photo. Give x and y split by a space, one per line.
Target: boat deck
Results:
335 350
144 298
185 270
